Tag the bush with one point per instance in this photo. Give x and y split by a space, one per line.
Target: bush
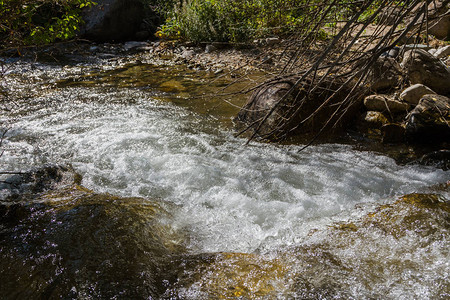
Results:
36 22
240 20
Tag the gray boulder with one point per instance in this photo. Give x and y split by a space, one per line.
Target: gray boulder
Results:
117 20
429 121
280 108
422 67
414 93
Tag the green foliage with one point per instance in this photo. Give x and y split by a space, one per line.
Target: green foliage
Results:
239 20
36 22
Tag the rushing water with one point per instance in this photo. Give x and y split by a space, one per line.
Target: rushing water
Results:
256 199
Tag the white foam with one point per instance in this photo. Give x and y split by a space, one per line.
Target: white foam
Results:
233 197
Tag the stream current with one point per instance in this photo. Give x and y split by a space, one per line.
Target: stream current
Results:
259 199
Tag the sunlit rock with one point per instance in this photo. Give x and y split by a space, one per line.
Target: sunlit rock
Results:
414 93
230 276
383 103
422 67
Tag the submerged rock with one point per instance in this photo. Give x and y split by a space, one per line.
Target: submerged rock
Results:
346 260
32 183
70 242
229 276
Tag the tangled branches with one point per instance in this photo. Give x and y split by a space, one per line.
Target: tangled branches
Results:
330 84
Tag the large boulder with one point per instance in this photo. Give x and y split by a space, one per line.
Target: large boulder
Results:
422 67
118 20
429 121
283 108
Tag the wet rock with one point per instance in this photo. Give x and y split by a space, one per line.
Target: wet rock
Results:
421 219
422 67
172 86
429 121
71 241
114 20
385 74
36 181
383 103
229 276
414 93
438 159
442 52
393 133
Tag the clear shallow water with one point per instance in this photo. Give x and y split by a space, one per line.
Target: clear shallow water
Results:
231 197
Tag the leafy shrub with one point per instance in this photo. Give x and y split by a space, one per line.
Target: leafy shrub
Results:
31 22
240 20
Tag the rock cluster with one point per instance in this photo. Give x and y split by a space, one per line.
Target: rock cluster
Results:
419 113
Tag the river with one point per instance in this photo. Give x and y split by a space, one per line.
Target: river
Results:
130 133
